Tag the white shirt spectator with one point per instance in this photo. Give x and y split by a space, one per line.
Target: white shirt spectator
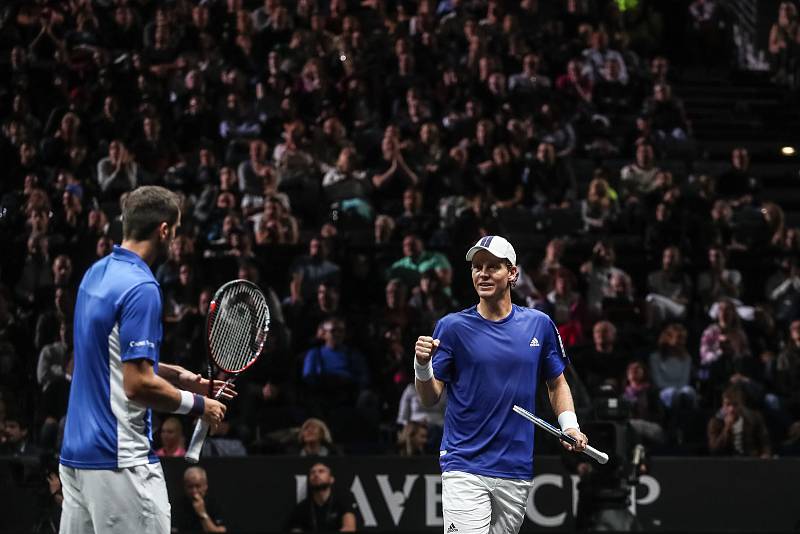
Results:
412 410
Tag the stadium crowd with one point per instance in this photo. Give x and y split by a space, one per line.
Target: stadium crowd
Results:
344 155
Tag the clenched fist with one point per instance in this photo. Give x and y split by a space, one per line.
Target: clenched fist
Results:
424 349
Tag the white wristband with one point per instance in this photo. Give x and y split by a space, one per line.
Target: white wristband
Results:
187 403
568 420
423 373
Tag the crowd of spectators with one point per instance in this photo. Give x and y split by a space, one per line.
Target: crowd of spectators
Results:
343 156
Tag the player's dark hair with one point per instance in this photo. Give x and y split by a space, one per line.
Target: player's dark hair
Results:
145 208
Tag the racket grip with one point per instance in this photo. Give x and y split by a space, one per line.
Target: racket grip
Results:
593 453
196 444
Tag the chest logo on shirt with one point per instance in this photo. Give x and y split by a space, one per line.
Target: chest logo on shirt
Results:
534 342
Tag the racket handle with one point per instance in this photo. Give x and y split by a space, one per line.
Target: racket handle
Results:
593 453
196 444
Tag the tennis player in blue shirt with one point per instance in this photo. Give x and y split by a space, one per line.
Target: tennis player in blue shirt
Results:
490 357
111 478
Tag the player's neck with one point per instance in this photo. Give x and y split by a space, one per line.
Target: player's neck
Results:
144 249
495 310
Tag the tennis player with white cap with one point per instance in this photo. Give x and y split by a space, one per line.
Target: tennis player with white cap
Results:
490 357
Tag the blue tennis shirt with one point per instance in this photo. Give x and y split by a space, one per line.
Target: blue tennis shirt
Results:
488 367
117 319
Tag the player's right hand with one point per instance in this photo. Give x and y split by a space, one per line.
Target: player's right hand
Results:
214 412
424 349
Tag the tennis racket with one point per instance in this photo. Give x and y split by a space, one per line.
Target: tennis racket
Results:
236 329
589 451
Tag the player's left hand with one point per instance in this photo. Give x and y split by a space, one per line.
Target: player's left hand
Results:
197 384
579 436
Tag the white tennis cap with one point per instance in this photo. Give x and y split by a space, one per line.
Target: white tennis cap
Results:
495 245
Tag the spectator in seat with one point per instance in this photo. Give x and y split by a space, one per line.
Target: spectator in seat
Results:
598 56
550 264
722 342
639 177
293 164
548 182
254 172
602 362
15 439
275 225
669 289
413 440
54 357
62 272
599 209
502 177
736 430
334 372
620 308
529 80
155 153
671 366
411 410
173 444
738 184
118 172
718 282
771 241
784 37
326 508
611 93
199 512
304 317
598 273
669 117
36 271
314 439
181 251
395 311
344 172
782 289
417 260
414 219
392 176
49 319
311 270
565 307
787 368
647 413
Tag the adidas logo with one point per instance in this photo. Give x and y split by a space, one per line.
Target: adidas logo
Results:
451 528
534 342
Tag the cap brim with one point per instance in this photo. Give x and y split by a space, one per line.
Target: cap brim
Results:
474 250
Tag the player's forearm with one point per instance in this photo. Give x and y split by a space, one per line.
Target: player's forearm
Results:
146 388
169 372
429 391
155 393
560 395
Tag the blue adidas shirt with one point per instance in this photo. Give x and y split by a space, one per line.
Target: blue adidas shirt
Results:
488 367
117 319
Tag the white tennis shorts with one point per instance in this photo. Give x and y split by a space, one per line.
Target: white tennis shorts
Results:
124 501
476 504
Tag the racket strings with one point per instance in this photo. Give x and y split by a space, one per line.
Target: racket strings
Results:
238 327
